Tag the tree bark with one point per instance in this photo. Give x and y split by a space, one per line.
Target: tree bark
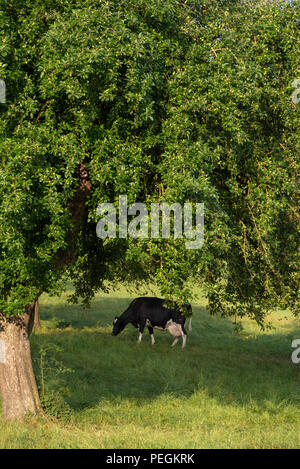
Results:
18 389
37 319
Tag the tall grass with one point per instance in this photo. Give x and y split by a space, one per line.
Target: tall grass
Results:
222 391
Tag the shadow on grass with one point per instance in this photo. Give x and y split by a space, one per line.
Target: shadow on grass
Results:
232 369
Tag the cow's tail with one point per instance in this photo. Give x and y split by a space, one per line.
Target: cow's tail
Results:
190 311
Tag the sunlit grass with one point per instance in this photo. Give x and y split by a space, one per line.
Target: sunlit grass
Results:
223 391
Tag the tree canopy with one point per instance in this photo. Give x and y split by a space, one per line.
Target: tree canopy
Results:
173 101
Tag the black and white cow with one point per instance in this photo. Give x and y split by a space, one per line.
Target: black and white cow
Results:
150 312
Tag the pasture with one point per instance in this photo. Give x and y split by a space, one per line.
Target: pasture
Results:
224 390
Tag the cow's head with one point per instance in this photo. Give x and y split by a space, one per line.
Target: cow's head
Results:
118 326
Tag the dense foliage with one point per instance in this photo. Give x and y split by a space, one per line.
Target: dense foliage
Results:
173 101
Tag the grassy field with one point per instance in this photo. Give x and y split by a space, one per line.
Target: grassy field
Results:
223 391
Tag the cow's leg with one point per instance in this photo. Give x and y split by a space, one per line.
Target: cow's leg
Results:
190 324
141 330
175 341
175 330
182 331
150 329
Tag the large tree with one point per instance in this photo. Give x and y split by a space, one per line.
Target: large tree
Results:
168 101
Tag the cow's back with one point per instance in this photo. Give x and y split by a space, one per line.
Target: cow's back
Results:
151 309
147 304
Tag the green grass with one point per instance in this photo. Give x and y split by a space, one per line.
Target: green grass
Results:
223 391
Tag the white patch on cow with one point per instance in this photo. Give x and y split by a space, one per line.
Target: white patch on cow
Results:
148 324
173 328
140 337
2 351
176 330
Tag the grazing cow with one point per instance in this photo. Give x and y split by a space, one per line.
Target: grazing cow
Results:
150 312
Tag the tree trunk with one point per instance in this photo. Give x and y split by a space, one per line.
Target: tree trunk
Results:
37 319
18 387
